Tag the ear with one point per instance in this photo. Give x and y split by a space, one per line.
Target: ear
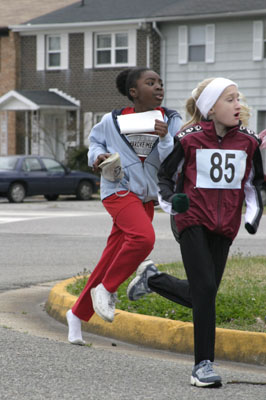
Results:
211 112
133 92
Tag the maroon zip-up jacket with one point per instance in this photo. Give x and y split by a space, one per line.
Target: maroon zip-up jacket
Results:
217 174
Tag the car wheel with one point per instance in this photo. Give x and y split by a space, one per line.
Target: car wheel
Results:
51 197
16 193
84 191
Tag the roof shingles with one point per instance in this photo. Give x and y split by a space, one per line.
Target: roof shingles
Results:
114 10
46 98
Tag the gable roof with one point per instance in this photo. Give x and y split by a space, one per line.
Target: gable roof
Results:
88 11
36 99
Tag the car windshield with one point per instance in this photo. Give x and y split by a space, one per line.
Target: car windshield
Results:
8 163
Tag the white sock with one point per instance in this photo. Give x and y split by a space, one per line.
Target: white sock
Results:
74 329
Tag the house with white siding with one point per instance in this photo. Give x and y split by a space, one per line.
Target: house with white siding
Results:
80 49
227 41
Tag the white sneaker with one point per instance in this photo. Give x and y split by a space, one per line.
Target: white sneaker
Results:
103 302
74 329
138 287
203 375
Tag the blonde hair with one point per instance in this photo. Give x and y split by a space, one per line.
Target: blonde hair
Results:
195 113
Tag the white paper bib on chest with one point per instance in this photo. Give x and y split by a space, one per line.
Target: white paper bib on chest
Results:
139 122
142 143
135 127
220 169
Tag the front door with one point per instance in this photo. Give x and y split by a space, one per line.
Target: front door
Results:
53 135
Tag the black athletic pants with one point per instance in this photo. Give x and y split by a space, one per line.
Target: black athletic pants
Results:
204 256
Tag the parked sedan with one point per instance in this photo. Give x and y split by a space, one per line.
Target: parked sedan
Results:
22 176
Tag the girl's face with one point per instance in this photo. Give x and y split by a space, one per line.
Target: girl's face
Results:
226 110
148 93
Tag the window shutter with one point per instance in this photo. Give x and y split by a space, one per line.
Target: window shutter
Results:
210 43
88 123
257 40
88 50
64 51
132 47
40 53
182 44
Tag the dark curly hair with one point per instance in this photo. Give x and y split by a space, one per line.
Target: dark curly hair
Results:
127 79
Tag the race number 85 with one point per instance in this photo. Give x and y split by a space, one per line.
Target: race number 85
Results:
218 168
216 171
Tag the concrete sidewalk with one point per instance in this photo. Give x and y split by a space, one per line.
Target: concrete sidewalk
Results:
160 333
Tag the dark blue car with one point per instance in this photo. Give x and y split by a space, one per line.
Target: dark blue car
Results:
22 176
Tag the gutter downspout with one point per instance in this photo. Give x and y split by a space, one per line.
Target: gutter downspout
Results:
163 47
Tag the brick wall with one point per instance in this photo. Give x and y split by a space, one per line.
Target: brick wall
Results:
9 50
95 88
9 78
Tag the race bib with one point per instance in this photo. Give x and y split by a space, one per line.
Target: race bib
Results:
220 169
142 143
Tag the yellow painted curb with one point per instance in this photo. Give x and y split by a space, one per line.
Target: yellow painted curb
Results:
160 333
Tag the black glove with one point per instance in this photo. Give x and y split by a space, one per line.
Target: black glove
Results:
180 202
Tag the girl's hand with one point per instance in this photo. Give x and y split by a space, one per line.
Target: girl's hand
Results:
160 128
180 202
99 160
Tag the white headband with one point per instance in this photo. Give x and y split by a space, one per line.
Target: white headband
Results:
211 93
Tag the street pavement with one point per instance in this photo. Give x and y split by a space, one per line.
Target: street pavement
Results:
37 362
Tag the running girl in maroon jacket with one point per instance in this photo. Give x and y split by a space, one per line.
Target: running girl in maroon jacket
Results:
214 167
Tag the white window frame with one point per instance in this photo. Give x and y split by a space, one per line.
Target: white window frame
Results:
48 51
200 42
42 52
112 49
183 44
97 117
90 48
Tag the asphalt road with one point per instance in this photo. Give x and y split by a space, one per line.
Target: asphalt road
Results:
44 242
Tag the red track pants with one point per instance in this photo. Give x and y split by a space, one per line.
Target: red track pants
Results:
129 243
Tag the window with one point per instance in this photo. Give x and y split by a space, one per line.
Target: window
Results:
97 117
264 39
261 121
53 51
111 49
52 165
31 164
8 163
196 44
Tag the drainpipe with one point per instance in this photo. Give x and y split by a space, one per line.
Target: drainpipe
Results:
163 50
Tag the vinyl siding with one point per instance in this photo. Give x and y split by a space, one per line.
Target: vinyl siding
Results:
233 59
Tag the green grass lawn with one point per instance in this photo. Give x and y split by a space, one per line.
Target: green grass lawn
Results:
241 300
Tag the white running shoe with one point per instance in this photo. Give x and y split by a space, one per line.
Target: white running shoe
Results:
103 302
138 287
203 375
